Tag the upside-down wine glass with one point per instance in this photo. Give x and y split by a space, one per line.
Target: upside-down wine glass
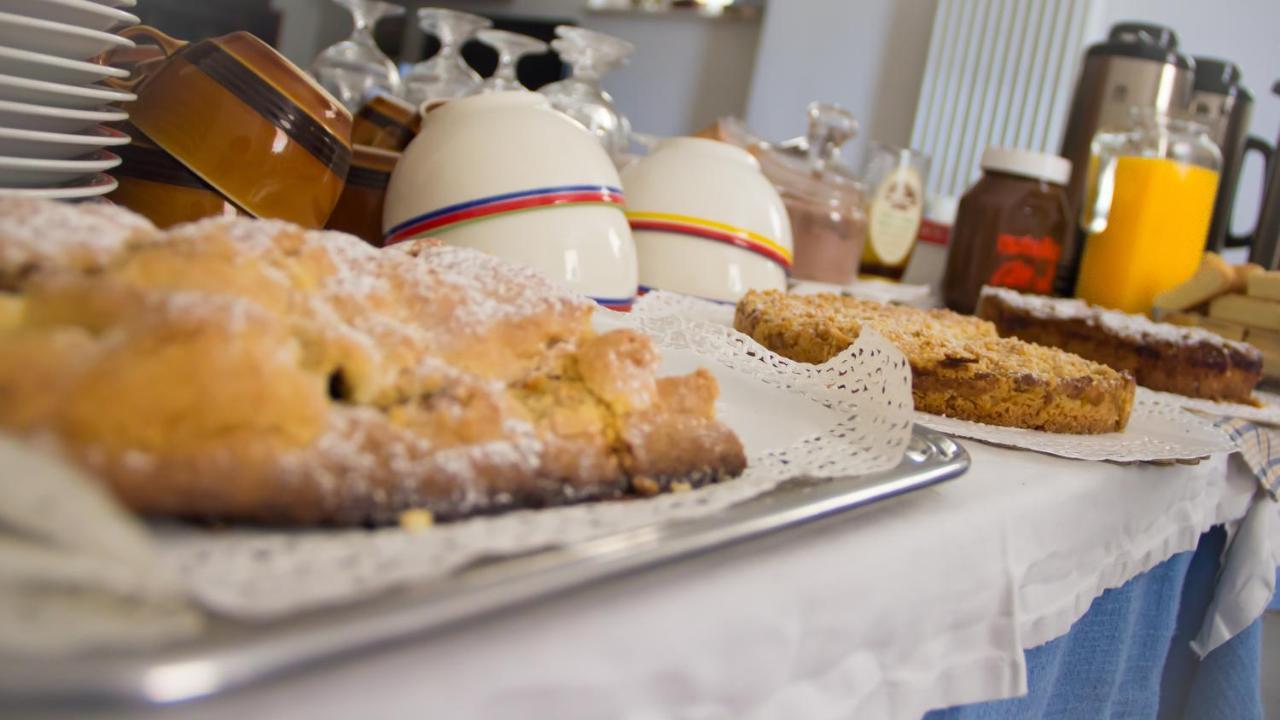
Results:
356 68
511 47
445 75
591 54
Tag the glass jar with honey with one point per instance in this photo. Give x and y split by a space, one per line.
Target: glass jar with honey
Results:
895 178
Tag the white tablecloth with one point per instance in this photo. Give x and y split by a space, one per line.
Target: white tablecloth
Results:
926 602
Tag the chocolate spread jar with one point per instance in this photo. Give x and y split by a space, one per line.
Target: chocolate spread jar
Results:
1010 227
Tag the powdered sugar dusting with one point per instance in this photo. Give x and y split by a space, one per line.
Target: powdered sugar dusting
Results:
496 290
1136 328
410 367
38 232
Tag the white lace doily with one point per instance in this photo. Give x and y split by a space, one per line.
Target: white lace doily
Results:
851 416
661 304
1157 430
1267 414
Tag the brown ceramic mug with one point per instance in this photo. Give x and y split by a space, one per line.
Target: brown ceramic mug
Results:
246 121
385 122
359 210
155 185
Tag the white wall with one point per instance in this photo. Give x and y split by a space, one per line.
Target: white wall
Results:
1246 32
867 55
687 71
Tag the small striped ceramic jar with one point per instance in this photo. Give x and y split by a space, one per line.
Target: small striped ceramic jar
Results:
359 210
706 221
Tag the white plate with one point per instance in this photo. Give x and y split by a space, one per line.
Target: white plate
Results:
1268 413
57 146
29 173
117 3
67 41
25 116
75 97
51 68
80 13
99 184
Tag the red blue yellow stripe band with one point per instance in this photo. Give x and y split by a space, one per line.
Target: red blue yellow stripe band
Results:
711 230
645 290
619 304
452 216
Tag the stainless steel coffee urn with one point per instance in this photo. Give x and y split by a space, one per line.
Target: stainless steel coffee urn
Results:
1138 65
1225 106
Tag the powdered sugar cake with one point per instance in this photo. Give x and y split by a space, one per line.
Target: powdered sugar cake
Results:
960 367
251 370
1184 360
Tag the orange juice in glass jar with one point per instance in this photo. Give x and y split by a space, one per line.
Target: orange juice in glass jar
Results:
1148 205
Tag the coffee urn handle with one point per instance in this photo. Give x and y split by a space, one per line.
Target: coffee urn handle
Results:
1266 236
1262 147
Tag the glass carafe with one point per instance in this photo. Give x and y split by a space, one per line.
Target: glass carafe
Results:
824 200
1149 199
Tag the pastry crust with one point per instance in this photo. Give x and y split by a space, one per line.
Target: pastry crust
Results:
1183 360
960 367
250 370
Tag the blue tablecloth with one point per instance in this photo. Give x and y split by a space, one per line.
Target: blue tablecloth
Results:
1129 656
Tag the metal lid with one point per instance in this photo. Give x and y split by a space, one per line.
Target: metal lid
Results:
811 166
1220 77
1027 163
1144 41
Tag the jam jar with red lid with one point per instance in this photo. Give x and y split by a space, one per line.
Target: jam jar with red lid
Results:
1010 228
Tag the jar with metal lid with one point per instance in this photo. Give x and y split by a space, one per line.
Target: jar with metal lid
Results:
824 200
1010 227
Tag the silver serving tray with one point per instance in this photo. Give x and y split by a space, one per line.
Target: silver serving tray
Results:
233 654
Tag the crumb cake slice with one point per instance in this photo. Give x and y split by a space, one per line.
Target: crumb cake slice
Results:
960 366
1184 360
251 370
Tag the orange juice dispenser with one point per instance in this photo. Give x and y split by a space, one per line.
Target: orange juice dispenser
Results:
1148 202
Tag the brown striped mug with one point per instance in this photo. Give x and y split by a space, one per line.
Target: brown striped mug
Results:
359 210
385 122
246 121
155 185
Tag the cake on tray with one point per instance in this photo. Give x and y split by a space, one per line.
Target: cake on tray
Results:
251 370
960 366
1184 360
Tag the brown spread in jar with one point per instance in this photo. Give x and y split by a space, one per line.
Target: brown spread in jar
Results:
1010 228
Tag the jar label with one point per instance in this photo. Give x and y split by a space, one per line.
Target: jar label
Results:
895 215
1025 262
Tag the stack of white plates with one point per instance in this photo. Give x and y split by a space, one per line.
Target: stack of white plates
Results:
53 101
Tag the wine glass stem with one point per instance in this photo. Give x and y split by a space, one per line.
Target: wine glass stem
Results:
364 17
506 66
360 17
453 53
